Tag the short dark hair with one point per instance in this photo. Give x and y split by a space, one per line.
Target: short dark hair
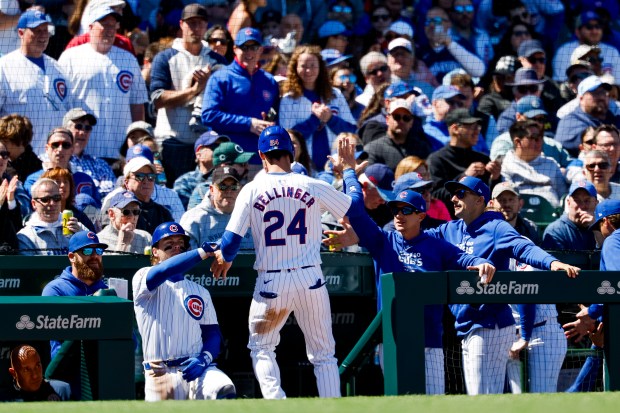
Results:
519 129
64 131
277 155
612 129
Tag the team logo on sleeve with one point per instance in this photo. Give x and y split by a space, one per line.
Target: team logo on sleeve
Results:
335 110
60 86
195 306
124 79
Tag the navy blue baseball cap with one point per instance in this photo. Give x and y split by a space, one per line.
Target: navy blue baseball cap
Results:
382 177
585 17
472 184
123 198
85 239
139 150
209 138
31 19
530 106
604 209
275 138
582 184
409 197
248 34
410 180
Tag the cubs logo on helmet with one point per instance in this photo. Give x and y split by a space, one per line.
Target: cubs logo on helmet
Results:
174 228
124 79
167 229
275 138
195 306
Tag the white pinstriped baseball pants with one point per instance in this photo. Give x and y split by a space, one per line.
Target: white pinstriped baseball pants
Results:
167 383
433 369
276 295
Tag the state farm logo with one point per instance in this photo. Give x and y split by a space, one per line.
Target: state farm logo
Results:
606 288
465 288
497 288
24 322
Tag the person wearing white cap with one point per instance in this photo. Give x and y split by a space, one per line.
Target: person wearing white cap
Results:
593 110
464 31
406 68
444 54
33 84
108 82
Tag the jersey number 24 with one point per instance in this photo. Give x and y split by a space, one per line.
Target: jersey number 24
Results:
297 227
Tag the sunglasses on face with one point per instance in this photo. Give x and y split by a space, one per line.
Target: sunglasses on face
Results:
524 90
142 176
434 20
539 119
464 9
351 78
601 165
342 9
233 187
404 118
4 154
217 40
406 210
90 251
83 126
65 145
128 212
376 71
250 47
461 193
579 77
520 33
382 17
594 26
594 60
534 60
47 199
457 103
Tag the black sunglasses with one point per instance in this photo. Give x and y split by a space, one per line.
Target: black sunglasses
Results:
89 251
82 126
65 145
461 193
406 210
527 89
534 60
404 118
142 176
579 77
128 212
384 17
47 199
376 71
594 59
250 47
217 40
233 187
4 154
592 26
601 165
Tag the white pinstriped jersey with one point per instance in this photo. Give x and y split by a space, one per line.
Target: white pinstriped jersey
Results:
169 317
543 311
284 211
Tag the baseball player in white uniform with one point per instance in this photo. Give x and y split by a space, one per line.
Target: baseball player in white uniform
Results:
284 210
108 81
177 323
32 84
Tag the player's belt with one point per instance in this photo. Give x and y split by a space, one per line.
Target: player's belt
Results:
168 363
289 269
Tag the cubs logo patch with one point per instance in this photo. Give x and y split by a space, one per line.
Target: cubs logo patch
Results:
403 195
60 86
91 235
84 187
195 306
274 142
174 228
124 79
248 31
334 110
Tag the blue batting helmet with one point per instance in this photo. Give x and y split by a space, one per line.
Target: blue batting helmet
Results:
275 138
167 229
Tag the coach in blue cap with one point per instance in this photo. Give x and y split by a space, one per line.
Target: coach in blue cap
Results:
607 217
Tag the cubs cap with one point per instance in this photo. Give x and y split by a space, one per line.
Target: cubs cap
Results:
194 10
460 116
411 198
31 19
506 65
332 28
399 104
274 138
604 209
400 42
529 47
208 139
222 173
446 92
402 28
248 34
590 84
100 13
124 198
168 229
139 150
582 184
333 57
471 183
381 177
136 164
530 106
585 17
502 187
140 125
230 152
399 89
78 113
410 180
85 239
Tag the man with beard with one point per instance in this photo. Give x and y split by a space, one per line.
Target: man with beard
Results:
505 198
82 278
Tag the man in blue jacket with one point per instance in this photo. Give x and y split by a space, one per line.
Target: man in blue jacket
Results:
487 330
238 98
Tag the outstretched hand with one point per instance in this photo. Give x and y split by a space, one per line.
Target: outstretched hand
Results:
220 267
571 270
341 238
485 272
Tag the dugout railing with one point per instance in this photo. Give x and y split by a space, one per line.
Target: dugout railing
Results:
405 294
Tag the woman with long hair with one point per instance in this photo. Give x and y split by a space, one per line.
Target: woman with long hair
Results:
220 41
66 185
308 90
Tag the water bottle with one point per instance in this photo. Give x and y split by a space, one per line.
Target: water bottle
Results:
161 176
